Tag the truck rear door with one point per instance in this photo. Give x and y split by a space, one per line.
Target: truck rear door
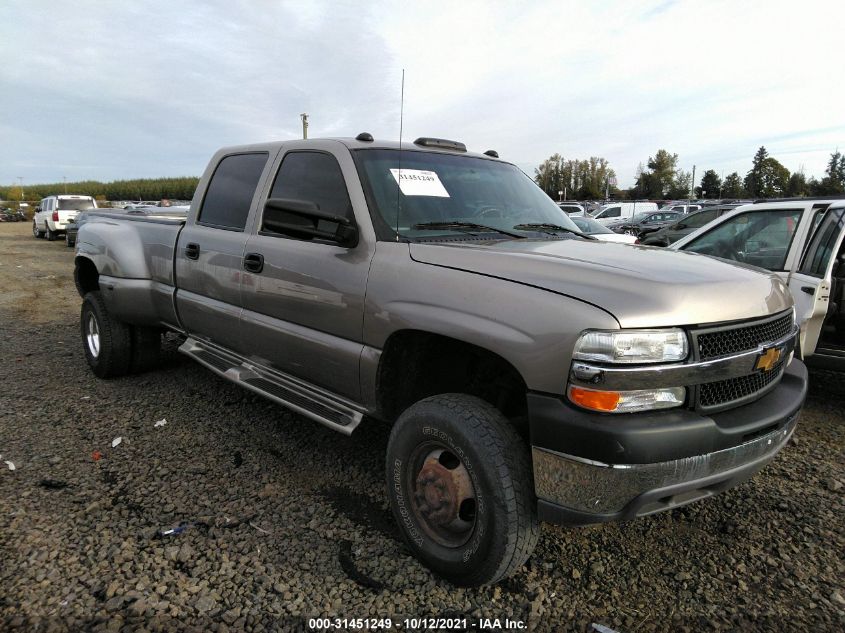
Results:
811 280
211 247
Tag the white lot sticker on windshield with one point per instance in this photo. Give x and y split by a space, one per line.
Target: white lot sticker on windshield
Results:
419 182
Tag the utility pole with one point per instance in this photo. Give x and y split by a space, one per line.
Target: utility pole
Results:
692 185
64 178
20 182
304 117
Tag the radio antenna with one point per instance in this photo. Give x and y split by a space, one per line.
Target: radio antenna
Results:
399 179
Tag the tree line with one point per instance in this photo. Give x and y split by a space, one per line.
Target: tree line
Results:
138 189
661 178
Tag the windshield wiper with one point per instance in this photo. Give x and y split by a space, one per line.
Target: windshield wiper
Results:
540 226
463 226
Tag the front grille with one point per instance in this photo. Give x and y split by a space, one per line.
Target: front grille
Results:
742 339
735 340
726 391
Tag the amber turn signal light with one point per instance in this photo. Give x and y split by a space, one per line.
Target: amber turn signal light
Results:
595 400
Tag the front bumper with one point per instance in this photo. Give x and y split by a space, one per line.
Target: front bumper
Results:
593 468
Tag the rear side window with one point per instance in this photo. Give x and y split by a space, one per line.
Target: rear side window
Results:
230 192
611 212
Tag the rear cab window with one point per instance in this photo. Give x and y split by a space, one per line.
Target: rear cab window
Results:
231 190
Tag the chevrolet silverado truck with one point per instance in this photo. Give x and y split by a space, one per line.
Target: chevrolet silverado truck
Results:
530 372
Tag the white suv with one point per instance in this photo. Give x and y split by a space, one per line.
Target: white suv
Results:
53 212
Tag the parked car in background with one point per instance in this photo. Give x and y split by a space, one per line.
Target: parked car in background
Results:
802 242
644 223
681 207
571 207
685 225
588 226
53 212
622 210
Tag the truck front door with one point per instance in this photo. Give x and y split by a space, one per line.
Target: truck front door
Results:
210 250
303 297
812 282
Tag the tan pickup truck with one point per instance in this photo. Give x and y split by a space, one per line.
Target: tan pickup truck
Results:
529 372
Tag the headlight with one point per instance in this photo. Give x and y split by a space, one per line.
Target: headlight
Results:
632 346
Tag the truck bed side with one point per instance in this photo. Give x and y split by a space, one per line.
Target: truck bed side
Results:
133 260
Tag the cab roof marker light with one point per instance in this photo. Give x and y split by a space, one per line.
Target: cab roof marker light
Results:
441 143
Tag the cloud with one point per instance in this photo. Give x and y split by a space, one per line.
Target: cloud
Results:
113 90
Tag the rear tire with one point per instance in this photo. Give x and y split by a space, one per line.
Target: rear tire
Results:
70 243
106 340
35 232
51 235
146 349
460 486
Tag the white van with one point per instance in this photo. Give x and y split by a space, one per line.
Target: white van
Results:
53 212
622 210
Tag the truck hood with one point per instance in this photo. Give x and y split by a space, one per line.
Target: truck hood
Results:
641 286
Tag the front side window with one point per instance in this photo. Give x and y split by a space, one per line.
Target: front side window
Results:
229 195
698 220
610 212
313 177
823 243
761 238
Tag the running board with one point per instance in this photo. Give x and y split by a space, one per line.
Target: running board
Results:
287 391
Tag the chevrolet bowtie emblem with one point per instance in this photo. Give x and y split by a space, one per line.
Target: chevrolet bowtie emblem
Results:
768 359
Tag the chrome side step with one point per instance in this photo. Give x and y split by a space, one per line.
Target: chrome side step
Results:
287 391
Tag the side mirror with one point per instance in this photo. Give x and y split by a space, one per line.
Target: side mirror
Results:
324 226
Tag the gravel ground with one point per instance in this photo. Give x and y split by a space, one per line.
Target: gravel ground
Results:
282 519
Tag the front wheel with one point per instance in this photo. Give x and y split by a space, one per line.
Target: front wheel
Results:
460 487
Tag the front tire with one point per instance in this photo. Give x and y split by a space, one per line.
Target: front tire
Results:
460 487
106 340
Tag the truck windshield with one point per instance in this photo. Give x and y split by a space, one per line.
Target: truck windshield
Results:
447 194
75 204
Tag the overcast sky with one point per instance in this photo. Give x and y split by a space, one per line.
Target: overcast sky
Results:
108 90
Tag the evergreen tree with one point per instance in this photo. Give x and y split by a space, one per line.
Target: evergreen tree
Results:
732 187
710 184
